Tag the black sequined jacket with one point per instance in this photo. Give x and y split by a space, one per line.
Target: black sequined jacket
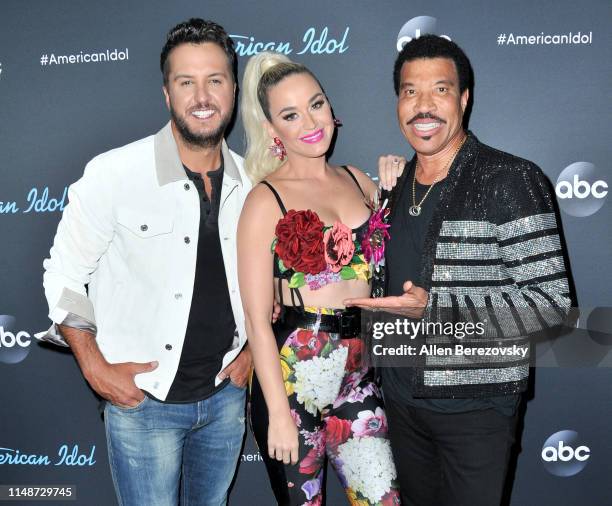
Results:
492 254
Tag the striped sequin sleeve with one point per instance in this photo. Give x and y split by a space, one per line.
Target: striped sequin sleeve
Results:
530 246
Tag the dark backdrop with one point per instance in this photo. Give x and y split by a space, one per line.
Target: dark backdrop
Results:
546 98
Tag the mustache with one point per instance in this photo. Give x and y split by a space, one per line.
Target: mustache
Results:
203 105
425 115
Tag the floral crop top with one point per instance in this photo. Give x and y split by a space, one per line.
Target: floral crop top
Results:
307 252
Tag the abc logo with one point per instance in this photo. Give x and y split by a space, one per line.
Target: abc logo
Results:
580 190
416 27
564 455
14 344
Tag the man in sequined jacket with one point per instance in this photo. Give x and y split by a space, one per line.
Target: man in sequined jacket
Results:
473 237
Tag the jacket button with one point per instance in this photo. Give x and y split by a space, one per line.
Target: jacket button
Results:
186 186
144 228
168 347
187 240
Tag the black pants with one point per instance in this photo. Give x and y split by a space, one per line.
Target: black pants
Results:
450 459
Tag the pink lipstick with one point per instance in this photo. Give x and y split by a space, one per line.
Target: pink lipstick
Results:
313 137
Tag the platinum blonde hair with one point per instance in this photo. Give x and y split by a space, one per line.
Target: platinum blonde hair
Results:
262 72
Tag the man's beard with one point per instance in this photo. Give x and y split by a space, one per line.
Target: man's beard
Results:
207 140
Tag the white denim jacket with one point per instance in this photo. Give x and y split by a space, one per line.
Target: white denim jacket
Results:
130 233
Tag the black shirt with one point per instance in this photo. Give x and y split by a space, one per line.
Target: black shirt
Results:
211 326
404 261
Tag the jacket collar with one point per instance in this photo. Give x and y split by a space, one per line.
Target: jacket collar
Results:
459 171
168 165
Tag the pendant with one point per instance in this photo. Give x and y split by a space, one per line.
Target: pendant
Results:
414 210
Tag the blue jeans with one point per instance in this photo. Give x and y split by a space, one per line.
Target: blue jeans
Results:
155 448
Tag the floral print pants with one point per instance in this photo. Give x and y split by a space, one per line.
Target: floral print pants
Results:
340 416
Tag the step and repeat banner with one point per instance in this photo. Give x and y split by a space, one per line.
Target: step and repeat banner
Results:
78 78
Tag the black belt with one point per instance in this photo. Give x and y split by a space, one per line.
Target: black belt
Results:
347 323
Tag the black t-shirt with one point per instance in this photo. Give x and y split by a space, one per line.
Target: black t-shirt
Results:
211 326
403 259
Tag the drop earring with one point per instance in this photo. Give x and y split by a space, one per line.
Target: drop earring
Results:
278 149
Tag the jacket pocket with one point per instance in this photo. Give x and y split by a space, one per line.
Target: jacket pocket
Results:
144 224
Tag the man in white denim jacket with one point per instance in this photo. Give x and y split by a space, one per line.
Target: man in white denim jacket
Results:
142 285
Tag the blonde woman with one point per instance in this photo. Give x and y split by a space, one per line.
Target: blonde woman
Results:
303 239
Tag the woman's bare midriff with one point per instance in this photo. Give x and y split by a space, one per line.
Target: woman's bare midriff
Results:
329 296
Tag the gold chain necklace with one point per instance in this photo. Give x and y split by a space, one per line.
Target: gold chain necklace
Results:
415 209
